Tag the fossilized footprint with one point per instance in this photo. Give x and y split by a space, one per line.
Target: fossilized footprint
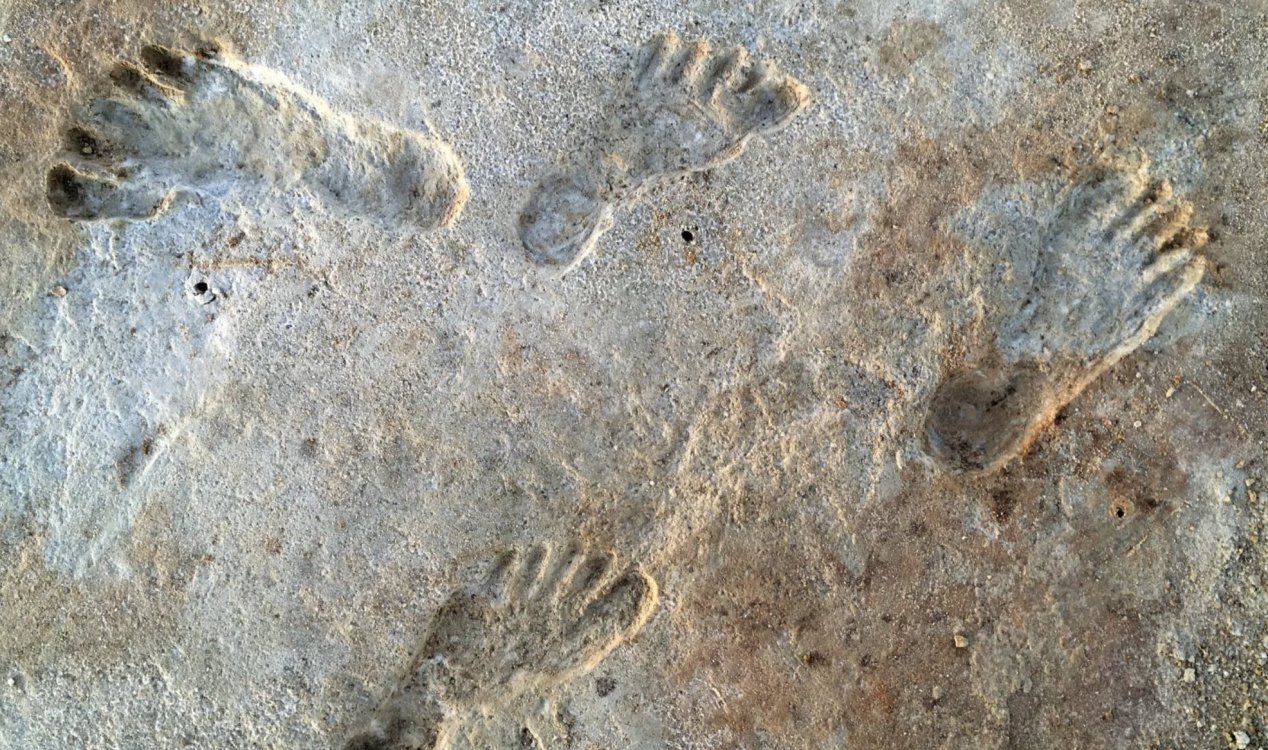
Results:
690 109
207 122
544 617
1115 260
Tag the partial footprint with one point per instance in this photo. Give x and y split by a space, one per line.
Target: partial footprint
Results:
544 617
1116 258
690 109
209 123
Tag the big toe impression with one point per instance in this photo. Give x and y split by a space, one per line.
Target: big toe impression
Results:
84 197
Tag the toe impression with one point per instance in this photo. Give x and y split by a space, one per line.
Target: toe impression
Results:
84 197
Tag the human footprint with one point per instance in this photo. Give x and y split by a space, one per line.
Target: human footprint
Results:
690 109
1118 256
207 122
543 618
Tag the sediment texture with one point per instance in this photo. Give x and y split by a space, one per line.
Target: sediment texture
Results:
634 375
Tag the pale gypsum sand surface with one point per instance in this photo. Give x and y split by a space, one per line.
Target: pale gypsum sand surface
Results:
265 447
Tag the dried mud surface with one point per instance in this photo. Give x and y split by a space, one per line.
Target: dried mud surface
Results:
914 395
